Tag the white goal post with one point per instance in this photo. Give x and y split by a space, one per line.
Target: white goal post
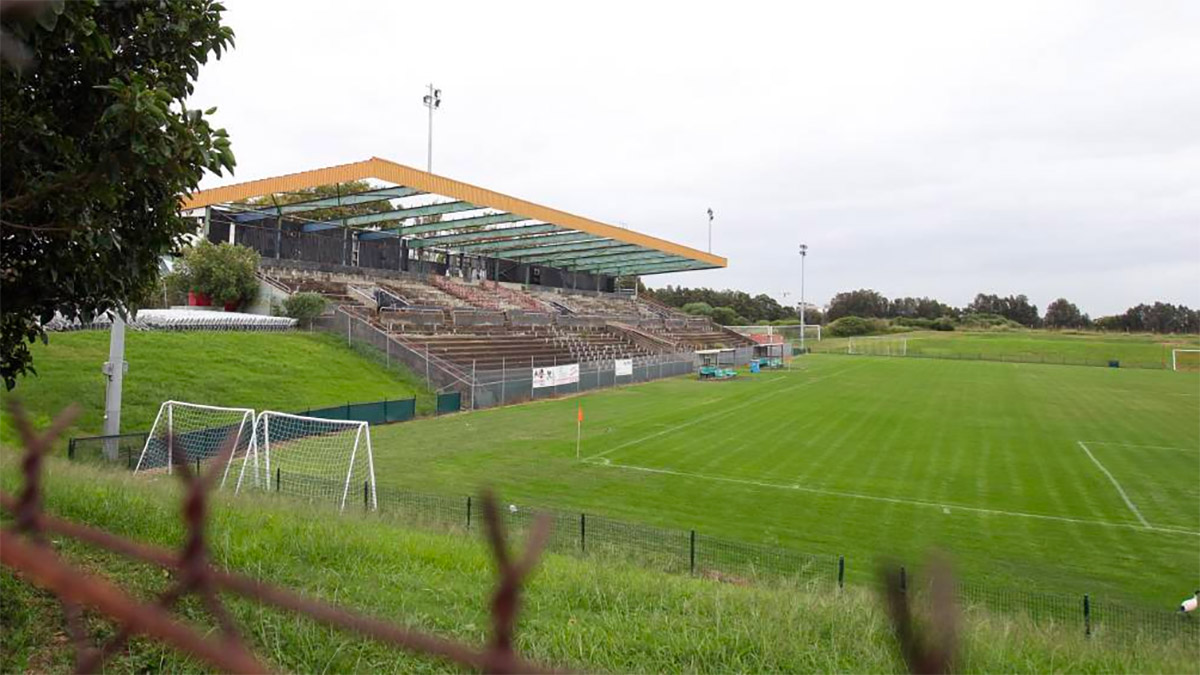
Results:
194 433
1188 359
312 456
878 345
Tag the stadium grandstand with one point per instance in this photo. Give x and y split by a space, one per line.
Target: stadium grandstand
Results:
474 278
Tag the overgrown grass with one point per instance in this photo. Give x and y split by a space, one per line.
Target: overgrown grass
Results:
290 371
577 613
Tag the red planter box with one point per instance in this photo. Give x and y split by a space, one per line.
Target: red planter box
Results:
199 299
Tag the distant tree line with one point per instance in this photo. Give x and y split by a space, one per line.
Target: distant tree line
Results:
736 308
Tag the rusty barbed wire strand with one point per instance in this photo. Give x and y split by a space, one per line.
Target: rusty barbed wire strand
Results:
72 586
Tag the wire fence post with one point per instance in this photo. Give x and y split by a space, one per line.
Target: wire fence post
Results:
427 385
502 377
841 571
692 553
468 512
903 580
583 532
278 479
474 383
387 348
366 498
1087 615
71 449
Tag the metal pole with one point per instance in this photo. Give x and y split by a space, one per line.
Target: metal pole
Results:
502 376
803 255
710 219
429 151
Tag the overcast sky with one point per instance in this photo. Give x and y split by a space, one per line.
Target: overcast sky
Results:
918 148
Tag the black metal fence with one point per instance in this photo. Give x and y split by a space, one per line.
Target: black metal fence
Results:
732 561
374 412
122 449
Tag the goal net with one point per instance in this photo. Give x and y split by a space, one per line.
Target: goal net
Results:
883 345
1185 359
192 433
315 457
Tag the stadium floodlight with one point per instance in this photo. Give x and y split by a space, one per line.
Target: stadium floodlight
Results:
433 101
316 457
803 255
1185 359
191 432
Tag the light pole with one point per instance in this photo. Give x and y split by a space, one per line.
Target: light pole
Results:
433 101
803 255
710 217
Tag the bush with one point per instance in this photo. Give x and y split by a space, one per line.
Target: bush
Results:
698 308
304 307
727 317
944 323
850 326
224 272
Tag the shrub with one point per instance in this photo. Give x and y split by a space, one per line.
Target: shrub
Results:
698 308
944 323
727 317
304 307
224 272
849 326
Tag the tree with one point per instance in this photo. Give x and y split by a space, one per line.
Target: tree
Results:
698 308
861 303
727 317
224 272
96 149
304 307
1063 313
1014 308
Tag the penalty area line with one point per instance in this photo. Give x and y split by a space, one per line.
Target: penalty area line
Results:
605 462
1120 490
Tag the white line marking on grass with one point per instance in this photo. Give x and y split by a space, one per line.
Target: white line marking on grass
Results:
703 418
1120 490
1135 445
891 500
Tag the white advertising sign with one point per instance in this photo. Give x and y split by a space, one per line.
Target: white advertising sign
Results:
553 376
624 367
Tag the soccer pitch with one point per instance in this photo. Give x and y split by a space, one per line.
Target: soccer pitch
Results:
1054 478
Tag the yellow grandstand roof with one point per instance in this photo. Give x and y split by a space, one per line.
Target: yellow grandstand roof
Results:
481 221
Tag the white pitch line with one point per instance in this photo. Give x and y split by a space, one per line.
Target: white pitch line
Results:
892 500
1120 490
715 413
1135 445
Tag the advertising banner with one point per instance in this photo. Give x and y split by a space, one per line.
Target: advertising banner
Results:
624 367
553 376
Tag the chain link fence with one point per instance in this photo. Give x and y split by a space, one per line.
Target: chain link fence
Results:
739 562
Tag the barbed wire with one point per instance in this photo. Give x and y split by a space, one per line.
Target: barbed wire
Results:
25 549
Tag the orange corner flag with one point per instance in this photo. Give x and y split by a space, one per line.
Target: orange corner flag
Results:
580 412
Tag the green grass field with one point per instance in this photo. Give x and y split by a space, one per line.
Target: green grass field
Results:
1005 466
1037 346
278 371
579 614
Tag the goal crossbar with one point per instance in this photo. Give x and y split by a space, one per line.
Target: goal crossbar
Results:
1175 356
187 432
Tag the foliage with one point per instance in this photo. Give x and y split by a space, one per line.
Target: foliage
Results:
986 321
941 323
1014 307
1160 317
752 308
860 303
698 308
96 148
323 192
849 326
1063 313
224 272
304 307
727 317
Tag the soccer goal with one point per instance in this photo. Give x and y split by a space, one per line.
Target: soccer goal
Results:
193 433
316 457
882 345
1185 359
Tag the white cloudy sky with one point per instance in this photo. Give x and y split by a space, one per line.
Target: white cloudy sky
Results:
918 148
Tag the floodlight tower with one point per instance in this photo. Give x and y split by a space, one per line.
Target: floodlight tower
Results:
710 219
433 101
803 255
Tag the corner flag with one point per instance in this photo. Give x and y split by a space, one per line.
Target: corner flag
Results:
578 430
